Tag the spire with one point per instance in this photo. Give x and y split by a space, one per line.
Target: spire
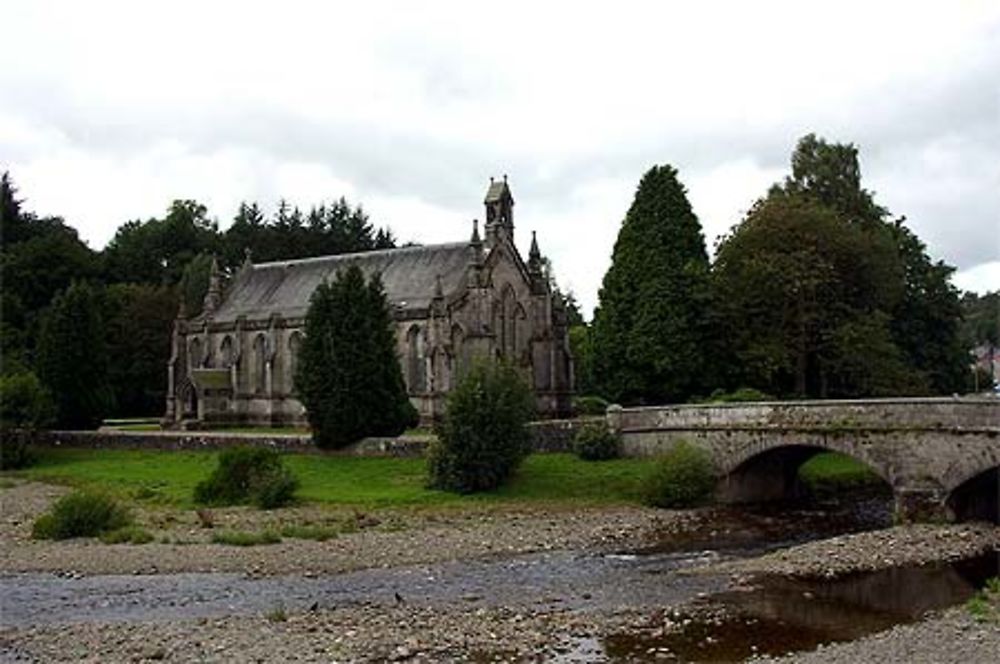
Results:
213 297
533 253
475 241
475 256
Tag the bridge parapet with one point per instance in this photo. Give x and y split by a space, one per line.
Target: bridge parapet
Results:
880 414
925 449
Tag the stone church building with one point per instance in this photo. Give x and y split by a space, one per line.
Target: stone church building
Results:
234 362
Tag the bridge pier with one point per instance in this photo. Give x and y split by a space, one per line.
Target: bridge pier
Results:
921 505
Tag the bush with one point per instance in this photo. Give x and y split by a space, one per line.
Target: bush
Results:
590 405
127 535
595 442
25 406
742 394
244 538
244 475
81 514
683 477
482 438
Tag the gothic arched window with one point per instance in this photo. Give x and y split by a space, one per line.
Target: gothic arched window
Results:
259 365
416 374
294 345
226 351
194 353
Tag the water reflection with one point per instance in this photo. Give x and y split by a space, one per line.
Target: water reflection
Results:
782 615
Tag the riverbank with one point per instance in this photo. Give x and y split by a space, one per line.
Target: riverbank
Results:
479 583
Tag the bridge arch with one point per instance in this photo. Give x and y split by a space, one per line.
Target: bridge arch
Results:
770 470
977 498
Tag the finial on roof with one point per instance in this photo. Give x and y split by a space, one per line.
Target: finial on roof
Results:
213 296
505 178
491 179
247 255
533 252
181 308
475 232
438 289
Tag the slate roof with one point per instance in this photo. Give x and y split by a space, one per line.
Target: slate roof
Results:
284 287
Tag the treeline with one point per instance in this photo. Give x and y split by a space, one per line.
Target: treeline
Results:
819 292
92 328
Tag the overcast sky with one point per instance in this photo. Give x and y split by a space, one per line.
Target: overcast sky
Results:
108 111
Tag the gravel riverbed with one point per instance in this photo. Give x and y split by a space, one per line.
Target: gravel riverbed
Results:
467 628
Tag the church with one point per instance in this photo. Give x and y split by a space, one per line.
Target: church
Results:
452 303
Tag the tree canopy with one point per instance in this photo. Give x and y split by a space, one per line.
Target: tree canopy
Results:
348 375
650 325
73 359
820 294
147 267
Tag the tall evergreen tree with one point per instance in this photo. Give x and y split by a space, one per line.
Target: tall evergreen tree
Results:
649 329
73 359
138 321
348 375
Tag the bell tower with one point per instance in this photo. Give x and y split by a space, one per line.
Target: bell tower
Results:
499 211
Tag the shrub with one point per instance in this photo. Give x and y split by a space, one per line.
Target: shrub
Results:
127 535
590 405
482 438
316 533
595 442
742 394
81 514
243 538
244 475
683 477
25 406
985 604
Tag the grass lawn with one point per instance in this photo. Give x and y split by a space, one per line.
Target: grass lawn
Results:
170 478
831 472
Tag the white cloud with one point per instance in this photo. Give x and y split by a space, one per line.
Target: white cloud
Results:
112 109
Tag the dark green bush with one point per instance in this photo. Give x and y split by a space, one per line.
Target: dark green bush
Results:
589 405
742 394
254 475
127 535
683 477
482 438
244 538
81 514
25 406
595 442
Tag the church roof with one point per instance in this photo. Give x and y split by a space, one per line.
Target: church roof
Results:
284 287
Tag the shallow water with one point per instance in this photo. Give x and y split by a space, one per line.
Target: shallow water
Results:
575 580
782 615
776 616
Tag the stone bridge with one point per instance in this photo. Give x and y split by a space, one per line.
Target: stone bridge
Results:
940 456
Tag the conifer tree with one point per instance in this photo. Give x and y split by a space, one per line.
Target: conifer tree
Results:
348 375
649 336
73 360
